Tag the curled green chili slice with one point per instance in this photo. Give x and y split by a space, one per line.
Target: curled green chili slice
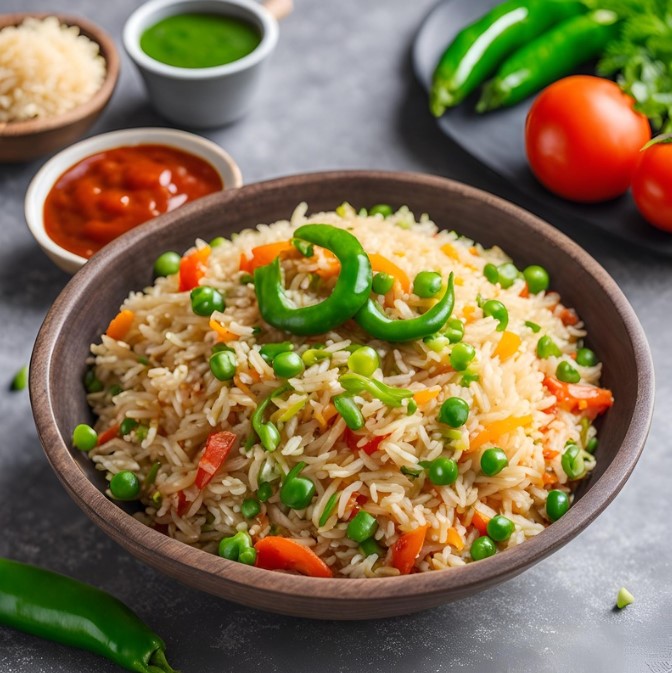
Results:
350 412
392 397
268 433
371 318
350 293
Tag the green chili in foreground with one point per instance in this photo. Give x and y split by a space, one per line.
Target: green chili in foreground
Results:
348 296
59 608
371 318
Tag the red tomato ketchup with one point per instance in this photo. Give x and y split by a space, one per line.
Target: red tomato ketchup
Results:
106 194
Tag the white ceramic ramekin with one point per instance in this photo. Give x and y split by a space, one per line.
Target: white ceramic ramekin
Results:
201 97
46 177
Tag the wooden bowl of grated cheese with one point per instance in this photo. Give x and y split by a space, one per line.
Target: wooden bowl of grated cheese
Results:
59 73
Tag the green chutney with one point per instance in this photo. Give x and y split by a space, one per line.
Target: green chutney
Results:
199 40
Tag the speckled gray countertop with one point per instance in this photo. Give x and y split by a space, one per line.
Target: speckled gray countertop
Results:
340 94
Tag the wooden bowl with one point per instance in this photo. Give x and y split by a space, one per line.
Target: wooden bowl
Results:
26 140
85 306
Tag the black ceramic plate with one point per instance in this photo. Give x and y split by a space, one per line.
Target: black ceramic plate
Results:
496 139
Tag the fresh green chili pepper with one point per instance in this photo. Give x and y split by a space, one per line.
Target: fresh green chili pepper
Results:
328 509
551 56
356 383
269 351
238 548
378 325
59 608
350 412
572 462
91 381
381 209
362 526
480 47
296 492
382 283
351 291
267 432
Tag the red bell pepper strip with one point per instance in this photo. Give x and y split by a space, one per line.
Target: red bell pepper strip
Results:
352 440
108 434
407 548
282 553
183 504
580 397
217 449
192 268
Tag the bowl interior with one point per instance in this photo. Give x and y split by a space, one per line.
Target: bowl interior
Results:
88 302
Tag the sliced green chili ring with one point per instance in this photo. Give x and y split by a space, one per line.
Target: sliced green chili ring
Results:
268 434
328 509
533 326
349 411
392 397
350 293
153 472
371 318
304 247
573 462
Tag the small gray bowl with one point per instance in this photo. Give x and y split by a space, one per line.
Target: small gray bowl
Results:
201 97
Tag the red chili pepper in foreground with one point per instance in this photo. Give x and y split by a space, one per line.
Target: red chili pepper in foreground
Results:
352 439
580 397
282 553
217 448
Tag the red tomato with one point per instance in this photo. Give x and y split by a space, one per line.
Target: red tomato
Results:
652 185
583 138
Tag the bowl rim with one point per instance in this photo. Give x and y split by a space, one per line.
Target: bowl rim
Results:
40 185
179 560
99 99
144 15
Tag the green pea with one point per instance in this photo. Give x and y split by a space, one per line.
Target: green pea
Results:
537 279
591 446
454 412
572 462
497 310
127 426
461 355
443 471
125 485
217 241
381 209
205 300
287 365
223 365
349 411
361 527
507 274
250 507
557 504
586 358
370 547
454 330
247 556
269 351
491 273
297 492
314 355
167 264
91 381
500 528
264 492
427 284
482 547
382 283
566 373
546 348
238 548
228 548
84 437
493 461
364 361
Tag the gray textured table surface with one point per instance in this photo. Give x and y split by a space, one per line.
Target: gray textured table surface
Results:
340 94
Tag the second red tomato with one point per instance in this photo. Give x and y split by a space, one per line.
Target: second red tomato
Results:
583 138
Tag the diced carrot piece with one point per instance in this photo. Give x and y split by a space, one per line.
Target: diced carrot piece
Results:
496 429
480 522
282 553
192 268
568 316
548 478
265 254
507 346
120 325
426 395
549 454
223 335
407 549
525 292
107 435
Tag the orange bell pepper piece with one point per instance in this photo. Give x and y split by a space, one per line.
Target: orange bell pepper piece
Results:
223 334
217 448
426 395
282 553
455 539
496 429
120 325
384 265
507 346
480 522
192 268
265 254
407 549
